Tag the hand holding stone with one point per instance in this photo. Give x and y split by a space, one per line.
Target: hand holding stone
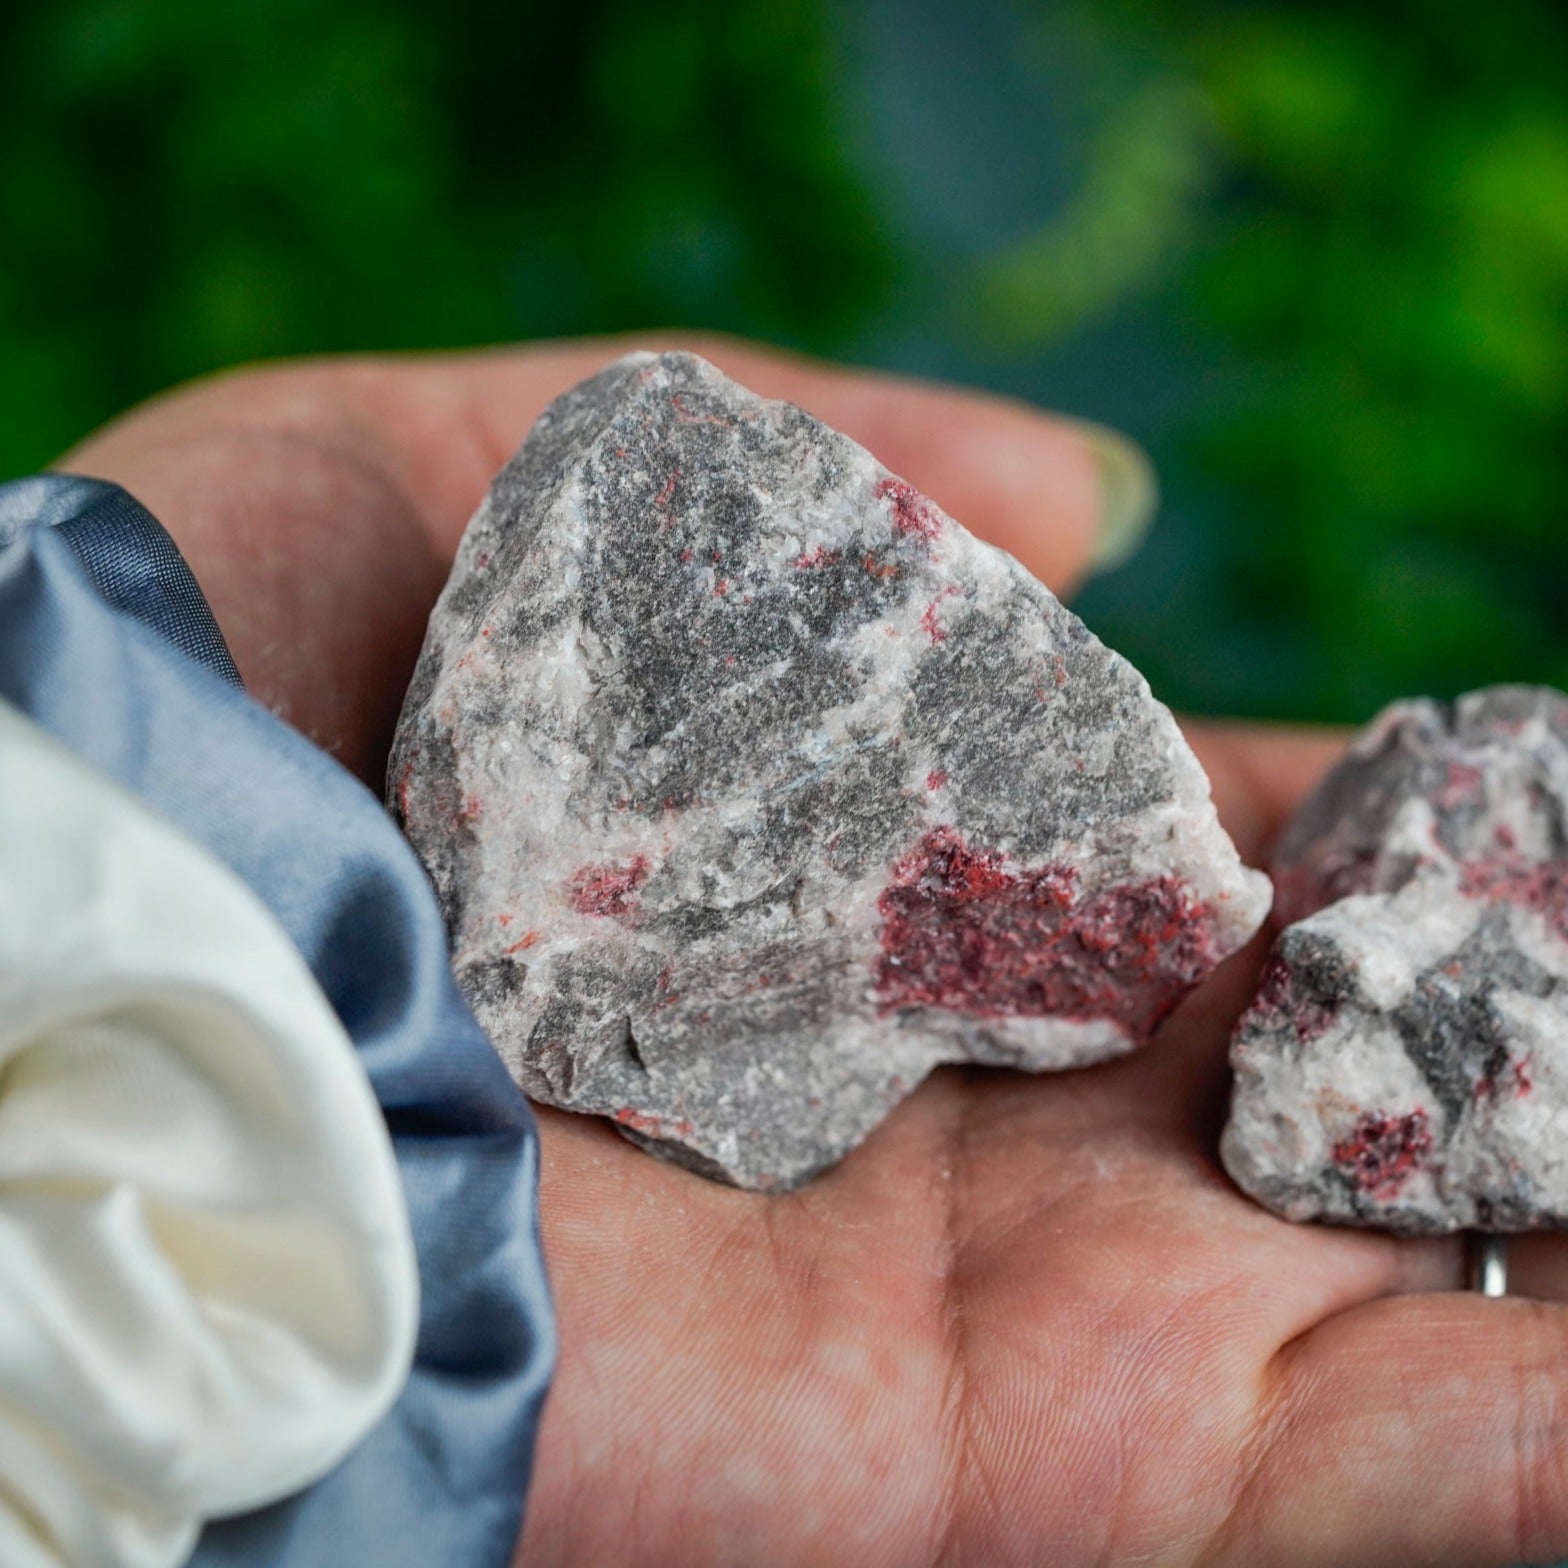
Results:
1028 1321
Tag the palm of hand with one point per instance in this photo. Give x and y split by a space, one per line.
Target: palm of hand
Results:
1029 1321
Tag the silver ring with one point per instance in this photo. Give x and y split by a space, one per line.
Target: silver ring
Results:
1489 1263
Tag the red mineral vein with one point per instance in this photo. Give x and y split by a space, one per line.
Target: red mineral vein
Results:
819 555
1516 1078
931 622
962 932
607 890
913 513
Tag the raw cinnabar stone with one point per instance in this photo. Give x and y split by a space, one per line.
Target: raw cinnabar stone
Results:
753 787
1405 1064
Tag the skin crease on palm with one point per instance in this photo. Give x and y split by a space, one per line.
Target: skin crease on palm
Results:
1029 1322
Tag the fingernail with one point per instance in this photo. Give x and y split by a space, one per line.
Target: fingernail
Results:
1129 495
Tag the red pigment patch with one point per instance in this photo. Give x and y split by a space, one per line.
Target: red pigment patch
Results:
639 1121
936 778
879 568
1277 993
1461 787
1381 1152
662 499
912 512
522 944
930 622
607 890
721 587
819 556
1516 1080
405 779
962 932
1508 877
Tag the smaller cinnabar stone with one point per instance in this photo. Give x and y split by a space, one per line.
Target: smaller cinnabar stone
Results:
1405 1062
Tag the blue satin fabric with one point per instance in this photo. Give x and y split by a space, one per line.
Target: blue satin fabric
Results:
105 640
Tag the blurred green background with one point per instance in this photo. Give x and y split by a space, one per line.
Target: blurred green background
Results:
1314 256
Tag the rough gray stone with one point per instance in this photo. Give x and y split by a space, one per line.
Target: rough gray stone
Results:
1405 1064
753 787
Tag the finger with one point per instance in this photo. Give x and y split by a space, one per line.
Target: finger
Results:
316 564
1260 773
1055 493
1414 1430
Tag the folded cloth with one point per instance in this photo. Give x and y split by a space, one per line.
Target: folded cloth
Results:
106 642
207 1285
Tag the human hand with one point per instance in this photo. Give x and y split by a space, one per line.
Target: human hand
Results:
1029 1321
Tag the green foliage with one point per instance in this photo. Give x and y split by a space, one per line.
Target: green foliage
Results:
1353 218
1370 218
186 185
1147 167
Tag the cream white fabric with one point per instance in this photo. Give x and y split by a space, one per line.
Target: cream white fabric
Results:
207 1283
